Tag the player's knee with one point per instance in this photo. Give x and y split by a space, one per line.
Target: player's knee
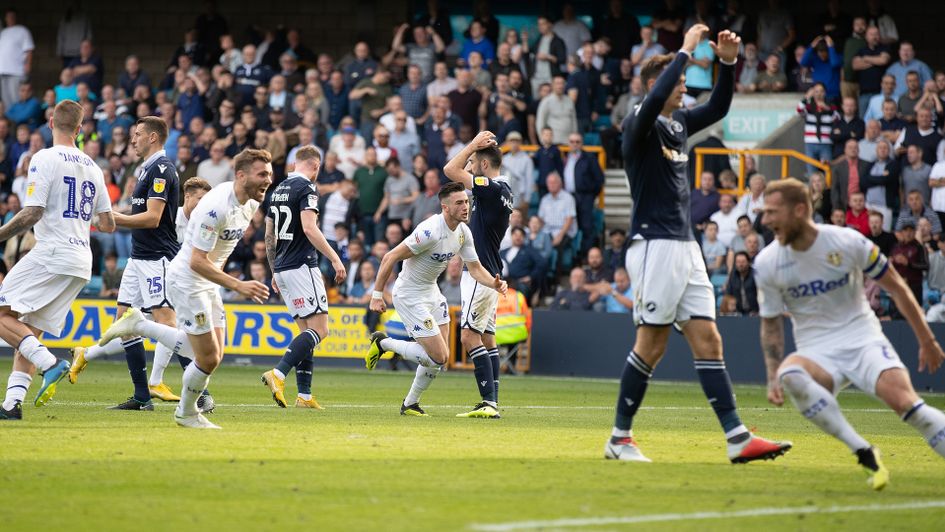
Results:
470 339
793 379
438 356
321 331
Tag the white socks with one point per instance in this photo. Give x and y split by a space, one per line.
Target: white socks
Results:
111 348
36 353
929 421
17 386
277 373
411 351
817 404
175 339
422 381
162 357
194 383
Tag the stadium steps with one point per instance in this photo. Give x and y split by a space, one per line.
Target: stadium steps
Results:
617 200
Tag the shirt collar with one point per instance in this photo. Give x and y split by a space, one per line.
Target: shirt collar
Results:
149 162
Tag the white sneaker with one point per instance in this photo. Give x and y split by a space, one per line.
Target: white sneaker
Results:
123 326
196 421
624 449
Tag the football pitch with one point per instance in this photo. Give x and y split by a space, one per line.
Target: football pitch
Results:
359 465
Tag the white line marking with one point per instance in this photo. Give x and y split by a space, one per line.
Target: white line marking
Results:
699 516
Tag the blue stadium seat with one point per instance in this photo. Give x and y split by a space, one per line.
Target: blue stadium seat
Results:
94 286
122 262
602 122
592 139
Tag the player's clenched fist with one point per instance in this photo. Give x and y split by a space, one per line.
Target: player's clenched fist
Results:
254 290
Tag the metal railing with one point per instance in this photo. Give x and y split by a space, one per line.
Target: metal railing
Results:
785 155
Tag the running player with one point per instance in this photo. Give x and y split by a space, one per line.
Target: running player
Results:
65 188
293 242
477 167
815 272
215 227
671 285
421 306
154 243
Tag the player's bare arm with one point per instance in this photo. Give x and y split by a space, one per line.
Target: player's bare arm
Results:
270 240
317 238
455 169
201 264
25 219
400 253
148 219
105 222
930 352
480 274
772 345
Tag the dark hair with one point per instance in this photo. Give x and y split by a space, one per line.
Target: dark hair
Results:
654 66
342 225
618 231
153 124
518 229
492 154
743 217
450 188
711 222
745 254
392 160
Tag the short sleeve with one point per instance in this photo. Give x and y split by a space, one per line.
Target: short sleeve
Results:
484 186
867 256
37 183
422 239
308 199
102 202
569 209
467 250
770 300
160 183
207 229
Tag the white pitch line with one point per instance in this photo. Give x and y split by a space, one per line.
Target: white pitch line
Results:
700 516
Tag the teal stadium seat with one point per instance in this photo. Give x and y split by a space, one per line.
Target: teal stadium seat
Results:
94 286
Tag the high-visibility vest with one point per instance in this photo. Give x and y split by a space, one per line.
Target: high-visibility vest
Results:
513 319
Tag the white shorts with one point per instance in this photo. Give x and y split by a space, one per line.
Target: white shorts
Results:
479 304
859 366
670 283
423 313
144 284
198 312
303 291
41 298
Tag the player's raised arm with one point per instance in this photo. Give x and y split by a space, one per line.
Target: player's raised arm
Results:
713 110
400 253
930 352
455 169
317 238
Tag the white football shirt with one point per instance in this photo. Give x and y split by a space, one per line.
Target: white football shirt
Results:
70 187
822 288
433 245
216 225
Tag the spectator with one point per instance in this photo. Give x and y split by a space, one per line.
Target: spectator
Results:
578 296
879 235
847 175
442 83
598 275
504 64
547 159
584 179
741 286
910 99
584 88
481 78
133 77
74 27
849 87
230 56
726 218
746 80
476 42
506 121
370 179
538 239
743 230
557 112
915 209
870 65
819 118
882 183
111 277
107 125
26 110
520 169
699 71
413 96
838 217
915 174
922 135
713 250
338 208
217 168
450 285
874 109
878 18
465 100
668 21
907 63
647 48
16 57
249 75
857 216
572 31
936 279
427 204
524 266
550 56
616 252
351 152
372 93
336 93
910 260
620 27
361 66
400 192
937 183
557 211
403 141
849 126
382 145
890 124
705 201
88 68
825 64
799 76
360 291
619 299
753 203
872 136
775 30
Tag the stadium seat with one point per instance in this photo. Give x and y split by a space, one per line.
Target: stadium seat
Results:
592 139
122 262
94 286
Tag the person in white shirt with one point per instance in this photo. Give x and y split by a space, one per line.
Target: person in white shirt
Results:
417 298
65 190
815 273
214 229
16 57
727 219
217 168
753 202
520 168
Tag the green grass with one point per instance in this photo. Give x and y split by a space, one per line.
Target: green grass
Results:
358 465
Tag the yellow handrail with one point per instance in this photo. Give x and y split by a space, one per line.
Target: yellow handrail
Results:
782 153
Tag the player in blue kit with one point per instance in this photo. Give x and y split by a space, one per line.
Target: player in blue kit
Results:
477 167
293 242
153 218
671 286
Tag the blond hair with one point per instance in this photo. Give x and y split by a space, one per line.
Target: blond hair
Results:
67 116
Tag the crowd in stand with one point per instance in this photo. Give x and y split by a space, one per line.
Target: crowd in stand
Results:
387 120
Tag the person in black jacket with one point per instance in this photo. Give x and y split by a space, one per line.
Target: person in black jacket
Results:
582 172
525 267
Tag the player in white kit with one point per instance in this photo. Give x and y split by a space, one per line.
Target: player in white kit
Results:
417 298
815 273
215 227
65 188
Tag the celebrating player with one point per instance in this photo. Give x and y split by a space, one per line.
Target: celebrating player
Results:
815 272
215 227
671 284
492 204
64 189
144 283
292 238
421 306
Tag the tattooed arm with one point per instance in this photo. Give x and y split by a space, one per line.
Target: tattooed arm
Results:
772 344
22 222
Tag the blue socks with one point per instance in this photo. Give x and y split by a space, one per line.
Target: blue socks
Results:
718 390
137 367
300 349
633 383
